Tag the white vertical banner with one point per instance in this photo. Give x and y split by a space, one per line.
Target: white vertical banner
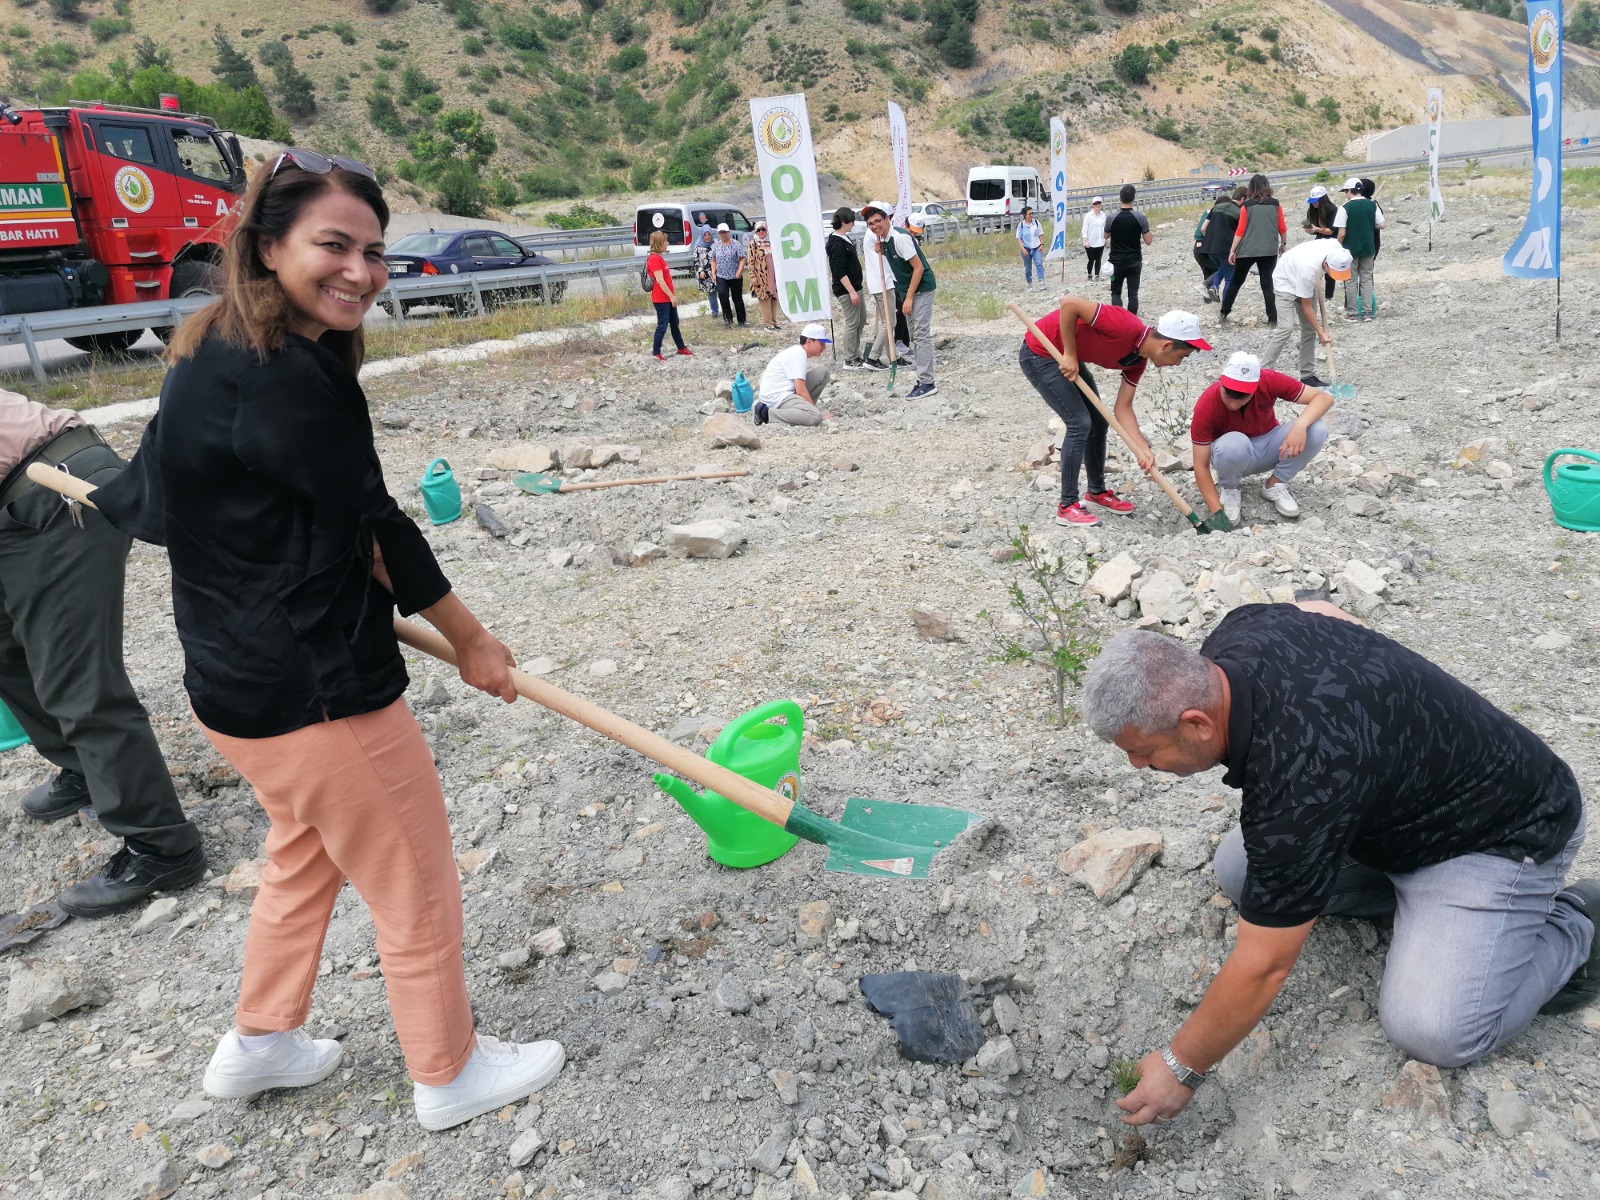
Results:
1435 121
1058 190
789 190
900 145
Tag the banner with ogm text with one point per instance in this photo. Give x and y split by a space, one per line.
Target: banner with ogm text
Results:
1435 112
1536 254
1058 189
900 145
793 201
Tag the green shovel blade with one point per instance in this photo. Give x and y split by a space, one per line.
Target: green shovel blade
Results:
1342 391
538 484
881 837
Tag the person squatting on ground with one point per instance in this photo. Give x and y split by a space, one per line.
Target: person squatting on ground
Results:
914 281
1106 336
1260 236
1295 280
1216 234
62 574
705 269
664 296
1375 785
1357 224
1030 238
844 270
1093 235
1128 232
289 558
1235 432
728 253
763 277
793 382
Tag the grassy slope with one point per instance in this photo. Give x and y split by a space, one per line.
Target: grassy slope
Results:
1039 55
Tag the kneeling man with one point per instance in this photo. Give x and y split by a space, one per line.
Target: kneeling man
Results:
1375 784
1235 432
793 381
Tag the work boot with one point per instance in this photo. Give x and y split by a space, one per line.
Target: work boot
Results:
1583 987
129 878
62 797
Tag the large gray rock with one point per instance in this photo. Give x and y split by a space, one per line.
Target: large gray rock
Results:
717 538
728 429
1166 598
528 1143
42 991
997 1058
1112 580
1110 862
1509 1114
521 457
768 1157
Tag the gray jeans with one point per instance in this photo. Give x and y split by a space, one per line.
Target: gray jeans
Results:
61 668
848 324
1358 293
1279 339
793 409
1480 944
1233 455
920 324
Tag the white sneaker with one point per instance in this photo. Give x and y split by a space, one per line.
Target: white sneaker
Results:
497 1074
1230 502
1278 493
293 1060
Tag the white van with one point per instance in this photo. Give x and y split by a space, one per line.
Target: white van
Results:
676 220
1003 191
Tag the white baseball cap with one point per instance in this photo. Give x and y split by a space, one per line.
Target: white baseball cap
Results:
1353 184
1317 193
1243 372
1097 200
1338 262
722 228
816 333
1182 327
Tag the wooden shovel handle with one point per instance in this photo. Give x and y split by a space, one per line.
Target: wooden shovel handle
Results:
1322 316
69 486
1094 398
767 805
587 487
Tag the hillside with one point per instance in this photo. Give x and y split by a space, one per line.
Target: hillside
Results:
470 102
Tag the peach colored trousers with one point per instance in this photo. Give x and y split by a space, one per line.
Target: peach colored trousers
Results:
357 799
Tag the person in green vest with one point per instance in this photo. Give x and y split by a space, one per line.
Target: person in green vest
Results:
1356 224
915 282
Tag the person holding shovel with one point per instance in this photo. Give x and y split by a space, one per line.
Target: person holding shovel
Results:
62 575
1111 337
915 282
1296 280
289 558
885 305
1375 786
1235 431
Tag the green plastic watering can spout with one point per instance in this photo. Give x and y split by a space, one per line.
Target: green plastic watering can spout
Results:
691 801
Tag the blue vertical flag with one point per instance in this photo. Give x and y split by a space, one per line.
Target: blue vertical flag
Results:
1536 254
1058 189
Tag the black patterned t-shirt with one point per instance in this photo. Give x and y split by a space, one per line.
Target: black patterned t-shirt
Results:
1345 743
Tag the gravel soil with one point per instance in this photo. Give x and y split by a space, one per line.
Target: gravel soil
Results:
717 1041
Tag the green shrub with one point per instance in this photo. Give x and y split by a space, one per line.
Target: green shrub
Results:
582 216
1297 98
1023 122
462 191
642 174
383 115
1329 107
344 31
690 12
497 106
1167 129
694 159
868 11
521 35
104 29
1123 6
386 62
413 83
548 183
430 103
629 58
472 44
1133 64
1269 33
55 56
1254 54
248 112
66 10
505 191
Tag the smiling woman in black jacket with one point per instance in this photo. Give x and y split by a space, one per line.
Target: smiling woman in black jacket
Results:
289 557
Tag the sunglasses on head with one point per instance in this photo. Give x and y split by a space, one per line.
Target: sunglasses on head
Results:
321 164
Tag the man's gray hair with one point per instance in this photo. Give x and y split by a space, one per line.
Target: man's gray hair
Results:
1145 680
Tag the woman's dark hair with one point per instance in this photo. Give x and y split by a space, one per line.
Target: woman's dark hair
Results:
1260 188
252 310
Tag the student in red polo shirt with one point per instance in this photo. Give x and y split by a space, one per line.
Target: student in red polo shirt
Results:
1107 336
1235 432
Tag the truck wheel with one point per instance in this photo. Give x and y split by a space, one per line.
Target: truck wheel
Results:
192 277
117 342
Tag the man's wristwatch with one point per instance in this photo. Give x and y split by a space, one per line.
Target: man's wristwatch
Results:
1190 1078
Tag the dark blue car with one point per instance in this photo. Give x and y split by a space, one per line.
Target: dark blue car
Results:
453 251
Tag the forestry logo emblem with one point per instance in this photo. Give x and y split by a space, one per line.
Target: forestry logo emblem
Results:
780 133
1544 37
134 189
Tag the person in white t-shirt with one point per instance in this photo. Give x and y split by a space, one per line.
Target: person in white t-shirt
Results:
879 279
793 382
1296 280
1094 236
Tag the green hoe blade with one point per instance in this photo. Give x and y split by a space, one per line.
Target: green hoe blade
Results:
538 484
1342 391
881 837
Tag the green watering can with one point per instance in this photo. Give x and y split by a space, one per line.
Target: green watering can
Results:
1574 490
11 734
441 494
764 753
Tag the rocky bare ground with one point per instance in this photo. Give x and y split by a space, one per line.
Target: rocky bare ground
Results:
718 1044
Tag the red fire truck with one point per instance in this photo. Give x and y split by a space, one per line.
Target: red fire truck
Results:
102 204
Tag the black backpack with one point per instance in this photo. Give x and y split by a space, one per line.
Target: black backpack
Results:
646 284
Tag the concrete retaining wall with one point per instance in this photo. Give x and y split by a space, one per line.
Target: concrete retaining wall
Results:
1456 137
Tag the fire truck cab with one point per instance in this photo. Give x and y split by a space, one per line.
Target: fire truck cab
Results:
102 204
